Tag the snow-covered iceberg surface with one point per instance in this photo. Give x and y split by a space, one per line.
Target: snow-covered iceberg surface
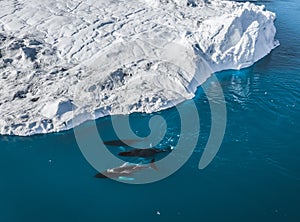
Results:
102 57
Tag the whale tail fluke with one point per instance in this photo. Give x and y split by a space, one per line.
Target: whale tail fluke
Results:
153 165
169 149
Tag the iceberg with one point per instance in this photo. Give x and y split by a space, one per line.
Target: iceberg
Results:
65 62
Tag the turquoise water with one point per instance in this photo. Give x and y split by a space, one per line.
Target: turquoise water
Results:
255 176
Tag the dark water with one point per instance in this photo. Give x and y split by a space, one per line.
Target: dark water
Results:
255 176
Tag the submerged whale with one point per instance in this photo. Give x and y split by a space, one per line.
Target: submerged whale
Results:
148 152
121 142
126 169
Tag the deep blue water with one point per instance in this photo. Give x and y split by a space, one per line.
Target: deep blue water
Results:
255 176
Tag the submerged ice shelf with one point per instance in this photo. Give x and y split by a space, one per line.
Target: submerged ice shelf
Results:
64 62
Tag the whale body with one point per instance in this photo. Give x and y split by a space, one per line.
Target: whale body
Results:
147 152
126 169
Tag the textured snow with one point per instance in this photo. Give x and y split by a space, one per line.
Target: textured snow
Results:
64 62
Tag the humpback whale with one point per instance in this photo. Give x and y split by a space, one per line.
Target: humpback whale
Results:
120 142
126 169
148 152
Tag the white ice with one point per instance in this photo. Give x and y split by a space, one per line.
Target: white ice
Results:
63 62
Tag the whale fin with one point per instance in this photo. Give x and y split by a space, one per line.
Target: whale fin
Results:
152 165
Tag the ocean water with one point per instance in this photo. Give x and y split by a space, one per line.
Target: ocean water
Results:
254 177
